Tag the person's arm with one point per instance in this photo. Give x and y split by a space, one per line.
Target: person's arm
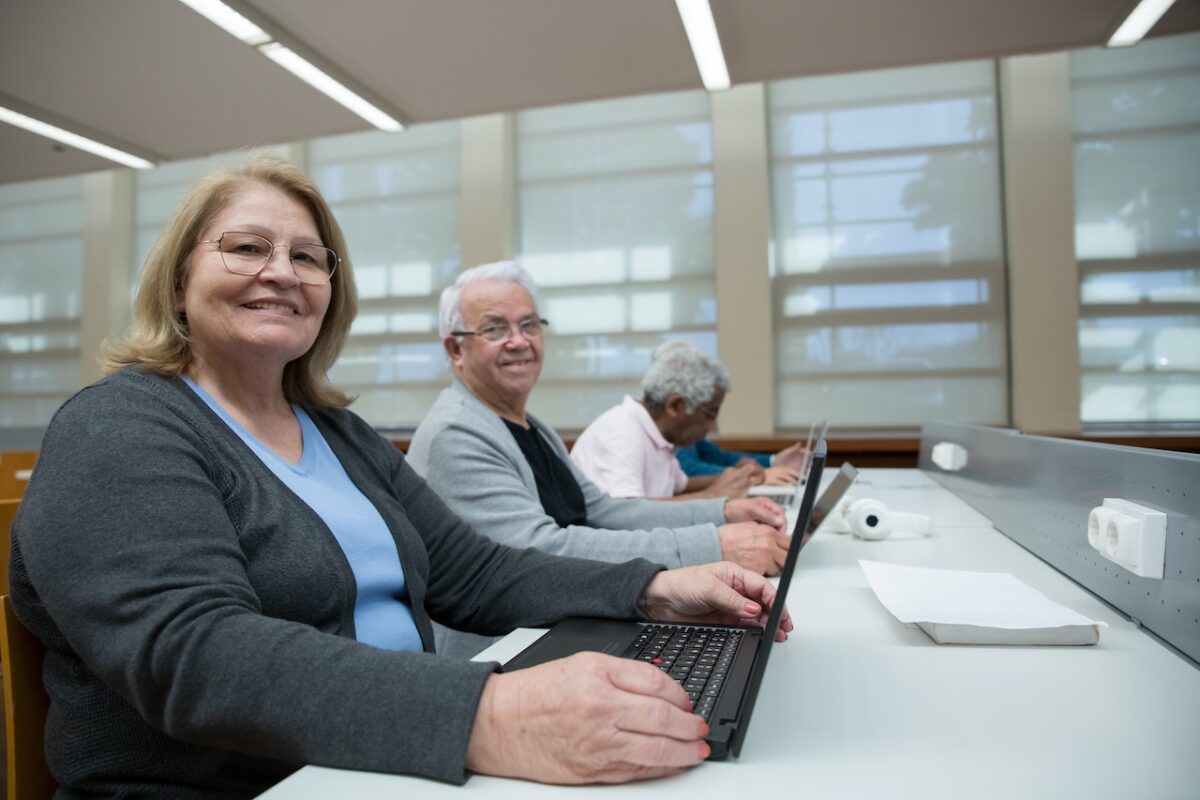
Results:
733 482
712 453
633 721
127 554
476 584
473 464
467 463
693 465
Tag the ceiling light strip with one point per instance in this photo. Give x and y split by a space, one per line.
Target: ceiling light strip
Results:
706 44
229 20
248 25
25 119
1139 22
309 73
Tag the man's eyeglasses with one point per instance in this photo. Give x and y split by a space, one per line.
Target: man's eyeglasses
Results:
247 254
530 328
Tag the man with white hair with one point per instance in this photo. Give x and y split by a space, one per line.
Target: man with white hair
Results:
629 450
508 474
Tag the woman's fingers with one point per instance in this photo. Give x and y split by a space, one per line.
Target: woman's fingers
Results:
589 718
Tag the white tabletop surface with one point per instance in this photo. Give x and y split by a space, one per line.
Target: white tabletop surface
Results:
856 704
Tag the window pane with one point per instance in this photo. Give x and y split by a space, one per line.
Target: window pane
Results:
615 203
1136 120
158 192
887 252
396 198
41 247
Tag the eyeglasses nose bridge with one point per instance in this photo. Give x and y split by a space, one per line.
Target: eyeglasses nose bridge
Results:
288 259
513 332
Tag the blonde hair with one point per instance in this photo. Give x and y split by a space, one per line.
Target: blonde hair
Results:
158 339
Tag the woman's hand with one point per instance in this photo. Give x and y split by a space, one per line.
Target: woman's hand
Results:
720 593
589 718
593 718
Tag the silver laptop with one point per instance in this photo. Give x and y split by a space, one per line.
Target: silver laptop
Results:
790 496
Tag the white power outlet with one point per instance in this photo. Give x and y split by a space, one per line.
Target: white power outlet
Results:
1129 535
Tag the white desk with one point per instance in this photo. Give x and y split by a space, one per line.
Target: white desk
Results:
912 492
858 705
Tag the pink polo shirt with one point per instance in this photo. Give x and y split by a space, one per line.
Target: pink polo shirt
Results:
625 454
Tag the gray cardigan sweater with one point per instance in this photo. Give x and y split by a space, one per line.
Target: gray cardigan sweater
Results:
199 619
468 456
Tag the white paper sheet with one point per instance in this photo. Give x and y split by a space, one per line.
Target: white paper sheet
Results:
955 597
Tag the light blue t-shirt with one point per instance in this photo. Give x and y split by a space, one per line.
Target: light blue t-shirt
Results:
382 616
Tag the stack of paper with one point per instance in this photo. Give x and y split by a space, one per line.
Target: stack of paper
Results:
956 607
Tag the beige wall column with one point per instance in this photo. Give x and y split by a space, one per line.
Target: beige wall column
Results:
487 185
107 267
1043 276
741 227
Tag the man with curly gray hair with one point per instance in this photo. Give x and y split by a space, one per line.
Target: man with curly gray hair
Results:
629 450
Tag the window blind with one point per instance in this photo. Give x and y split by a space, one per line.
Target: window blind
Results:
41 247
615 209
396 198
1136 121
887 255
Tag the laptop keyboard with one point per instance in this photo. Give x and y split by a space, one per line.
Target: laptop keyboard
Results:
697 658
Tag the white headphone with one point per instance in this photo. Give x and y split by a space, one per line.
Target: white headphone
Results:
871 519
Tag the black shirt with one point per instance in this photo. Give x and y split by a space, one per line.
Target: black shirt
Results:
557 488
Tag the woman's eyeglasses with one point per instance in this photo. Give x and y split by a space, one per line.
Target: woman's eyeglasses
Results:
247 254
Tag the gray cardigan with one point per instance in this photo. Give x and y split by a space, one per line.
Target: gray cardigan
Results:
469 457
199 617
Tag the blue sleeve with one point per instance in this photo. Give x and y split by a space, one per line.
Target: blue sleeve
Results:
711 453
706 458
693 465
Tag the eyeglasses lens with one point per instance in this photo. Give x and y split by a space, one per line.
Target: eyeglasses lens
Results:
247 254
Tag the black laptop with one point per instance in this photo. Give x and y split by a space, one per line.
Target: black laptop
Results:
720 667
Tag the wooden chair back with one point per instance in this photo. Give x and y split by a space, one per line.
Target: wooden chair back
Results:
15 466
8 512
25 708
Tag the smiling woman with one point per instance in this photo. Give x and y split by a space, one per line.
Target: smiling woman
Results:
160 338
245 329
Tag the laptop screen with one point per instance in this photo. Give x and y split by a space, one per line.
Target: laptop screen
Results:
831 496
798 532
816 434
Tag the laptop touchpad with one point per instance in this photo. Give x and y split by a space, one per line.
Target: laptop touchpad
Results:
561 647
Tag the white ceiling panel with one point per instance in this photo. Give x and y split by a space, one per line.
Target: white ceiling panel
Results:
156 75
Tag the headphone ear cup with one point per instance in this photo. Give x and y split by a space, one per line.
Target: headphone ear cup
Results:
836 522
869 519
